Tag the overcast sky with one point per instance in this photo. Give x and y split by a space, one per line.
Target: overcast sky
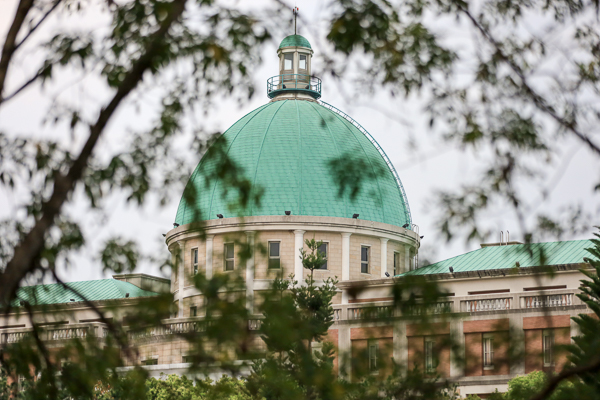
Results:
395 123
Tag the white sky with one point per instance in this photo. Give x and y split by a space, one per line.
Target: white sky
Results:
433 165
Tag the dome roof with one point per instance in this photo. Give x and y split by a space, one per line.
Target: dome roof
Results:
295 40
284 148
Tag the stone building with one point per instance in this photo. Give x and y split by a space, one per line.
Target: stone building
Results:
496 294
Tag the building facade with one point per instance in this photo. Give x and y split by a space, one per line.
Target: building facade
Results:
295 150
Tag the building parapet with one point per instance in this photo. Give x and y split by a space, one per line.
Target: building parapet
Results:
471 305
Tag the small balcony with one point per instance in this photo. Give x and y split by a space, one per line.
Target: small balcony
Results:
285 83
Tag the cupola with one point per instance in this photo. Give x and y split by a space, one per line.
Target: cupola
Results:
294 80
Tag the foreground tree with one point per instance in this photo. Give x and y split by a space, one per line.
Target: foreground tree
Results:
506 105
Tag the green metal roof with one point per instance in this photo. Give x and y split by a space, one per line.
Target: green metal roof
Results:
103 289
284 147
295 40
501 257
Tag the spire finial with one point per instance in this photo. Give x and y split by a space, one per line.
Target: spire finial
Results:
295 11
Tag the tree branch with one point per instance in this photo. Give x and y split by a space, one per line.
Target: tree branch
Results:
538 100
21 88
566 374
32 244
37 25
111 327
11 37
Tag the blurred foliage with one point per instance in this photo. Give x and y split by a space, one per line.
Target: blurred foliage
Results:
495 99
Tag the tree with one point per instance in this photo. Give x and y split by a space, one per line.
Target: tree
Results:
297 314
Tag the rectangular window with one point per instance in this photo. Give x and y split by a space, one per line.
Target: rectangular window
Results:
193 311
488 352
364 259
150 361
396 263
429 356
288 60
229 257
186 359
373 354
323 249
195 260
302 62
548 347
274 255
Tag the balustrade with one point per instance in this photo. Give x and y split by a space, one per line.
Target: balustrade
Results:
502 303
67 333
551 300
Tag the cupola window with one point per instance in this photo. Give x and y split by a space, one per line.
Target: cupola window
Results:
288 61
302 63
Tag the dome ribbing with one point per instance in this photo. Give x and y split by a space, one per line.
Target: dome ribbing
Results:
285 147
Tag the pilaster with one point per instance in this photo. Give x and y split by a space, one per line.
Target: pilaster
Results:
517 342
344 352
384 242
457 358
181 273
209 256
250 273
346 256
298 245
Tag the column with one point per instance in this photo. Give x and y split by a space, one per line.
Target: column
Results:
250 273
406 258
298 245
458 336
383 256
209 256
345 256
181 273
344 353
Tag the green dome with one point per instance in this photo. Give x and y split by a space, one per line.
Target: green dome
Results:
284 148
295 40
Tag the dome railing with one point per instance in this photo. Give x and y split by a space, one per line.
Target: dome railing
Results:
387 160
278 84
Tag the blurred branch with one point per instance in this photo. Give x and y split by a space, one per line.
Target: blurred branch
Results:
111 327
37 25
539 102
564 375
9 47
29 249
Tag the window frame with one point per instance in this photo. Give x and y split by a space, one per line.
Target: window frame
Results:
548 334
368 261
193 311
396 262
300 55
488 351
225 259
373 356
269 257
326 265
285 59
195 260
153 360
430 360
